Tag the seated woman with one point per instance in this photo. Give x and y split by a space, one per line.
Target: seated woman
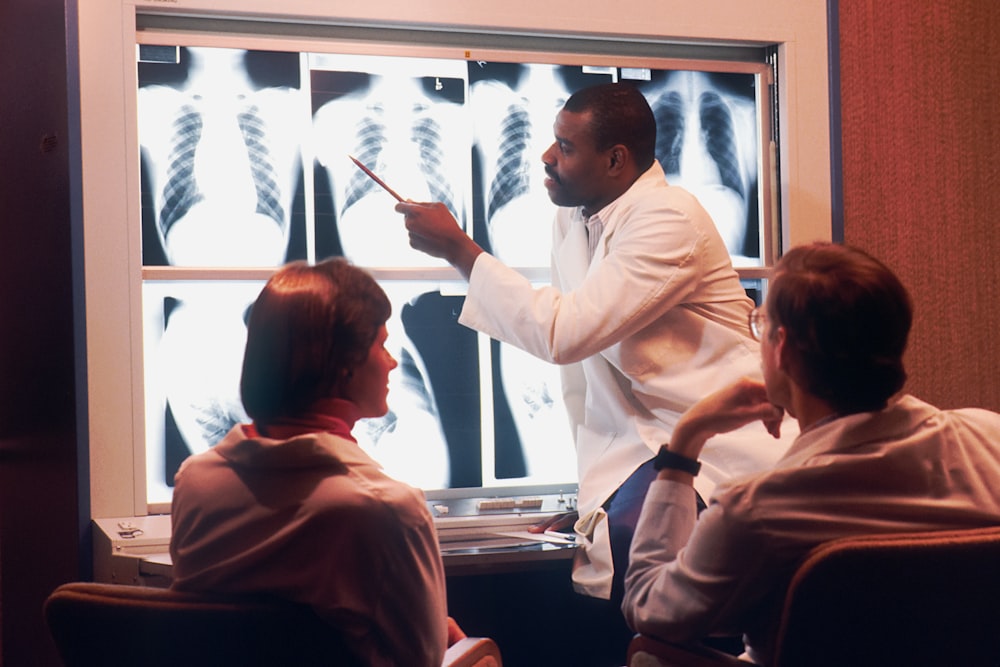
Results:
290 505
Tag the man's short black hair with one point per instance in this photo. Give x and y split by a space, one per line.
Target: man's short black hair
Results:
620 114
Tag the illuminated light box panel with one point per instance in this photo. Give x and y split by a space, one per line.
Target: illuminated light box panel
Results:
243 154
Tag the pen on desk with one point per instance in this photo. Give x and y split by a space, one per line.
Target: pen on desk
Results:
375 178
571 537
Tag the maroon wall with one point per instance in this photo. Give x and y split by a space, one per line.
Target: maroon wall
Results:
39 534
920 84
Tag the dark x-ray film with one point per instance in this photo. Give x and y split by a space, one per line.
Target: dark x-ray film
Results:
245 163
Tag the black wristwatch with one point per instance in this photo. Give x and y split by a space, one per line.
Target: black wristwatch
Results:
666 459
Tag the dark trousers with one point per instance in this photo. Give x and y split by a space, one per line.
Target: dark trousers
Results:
623 509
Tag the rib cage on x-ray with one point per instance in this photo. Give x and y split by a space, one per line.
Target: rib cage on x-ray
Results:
255 136
221 158
668 109
706 142
427 136
370 137
181 192
716 128
370 142
717 124
200 418
512 177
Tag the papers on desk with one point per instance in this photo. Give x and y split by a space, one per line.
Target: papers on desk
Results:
506 541
550 536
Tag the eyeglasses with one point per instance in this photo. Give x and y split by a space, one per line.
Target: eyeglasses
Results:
756 320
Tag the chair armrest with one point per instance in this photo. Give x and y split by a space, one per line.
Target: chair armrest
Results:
473 652
646 651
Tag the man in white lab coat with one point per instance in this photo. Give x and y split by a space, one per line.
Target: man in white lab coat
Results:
645 315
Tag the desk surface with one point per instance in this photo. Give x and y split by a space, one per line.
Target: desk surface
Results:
135 549
489 560
470 560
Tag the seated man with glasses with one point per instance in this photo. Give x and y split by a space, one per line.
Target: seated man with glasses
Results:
868 459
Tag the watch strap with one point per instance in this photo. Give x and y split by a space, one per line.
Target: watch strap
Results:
666 459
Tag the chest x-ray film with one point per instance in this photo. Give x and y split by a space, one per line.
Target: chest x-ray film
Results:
245 164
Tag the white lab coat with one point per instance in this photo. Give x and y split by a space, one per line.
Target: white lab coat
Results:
655 321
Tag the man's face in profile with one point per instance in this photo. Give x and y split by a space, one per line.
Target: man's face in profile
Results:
575 168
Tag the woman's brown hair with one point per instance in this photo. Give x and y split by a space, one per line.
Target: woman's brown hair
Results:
311 326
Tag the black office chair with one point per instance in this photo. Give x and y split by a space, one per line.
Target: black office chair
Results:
881 600
138 626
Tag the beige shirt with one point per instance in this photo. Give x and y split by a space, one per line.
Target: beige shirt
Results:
315 520
908 468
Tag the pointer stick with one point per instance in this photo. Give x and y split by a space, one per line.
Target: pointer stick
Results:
375 178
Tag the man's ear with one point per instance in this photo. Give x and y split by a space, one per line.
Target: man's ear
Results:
778 350
618 157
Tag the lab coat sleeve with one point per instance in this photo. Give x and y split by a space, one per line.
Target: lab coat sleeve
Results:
650 264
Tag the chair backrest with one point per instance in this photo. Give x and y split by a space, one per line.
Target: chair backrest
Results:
916 599
137 626
111 624
906 599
